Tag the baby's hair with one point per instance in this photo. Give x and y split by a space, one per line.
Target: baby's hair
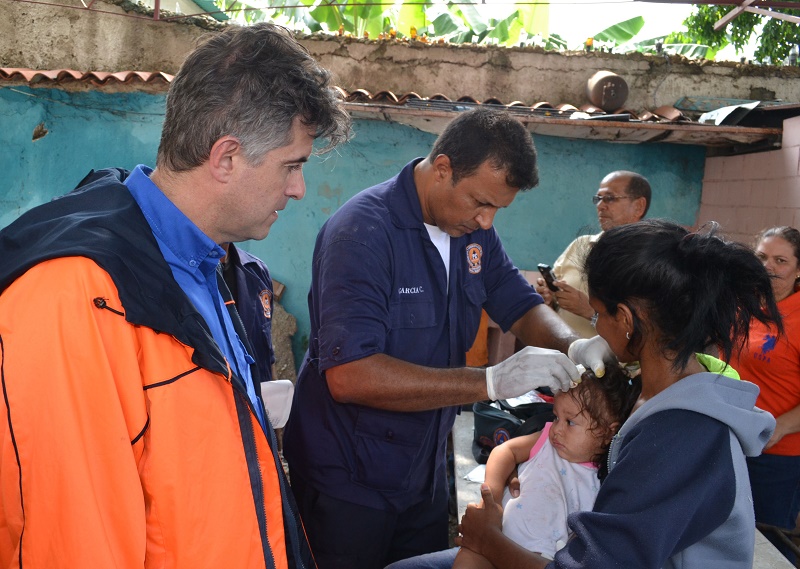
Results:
606 400
696 289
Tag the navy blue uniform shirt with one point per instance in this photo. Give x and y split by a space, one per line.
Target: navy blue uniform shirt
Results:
250 283
379 286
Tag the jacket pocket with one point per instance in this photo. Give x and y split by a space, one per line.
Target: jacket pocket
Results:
415 314
387 445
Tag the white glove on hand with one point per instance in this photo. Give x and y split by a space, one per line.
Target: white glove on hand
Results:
277 396
592 353
528 369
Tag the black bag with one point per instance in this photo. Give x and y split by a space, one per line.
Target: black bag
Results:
495 426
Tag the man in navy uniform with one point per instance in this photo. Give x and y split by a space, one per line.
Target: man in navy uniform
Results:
400 275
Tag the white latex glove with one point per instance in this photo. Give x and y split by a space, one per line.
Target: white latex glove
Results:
277 396
528 369
592 353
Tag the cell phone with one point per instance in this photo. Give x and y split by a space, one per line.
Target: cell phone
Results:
549 277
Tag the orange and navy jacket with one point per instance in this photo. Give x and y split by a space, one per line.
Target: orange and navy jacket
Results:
125 440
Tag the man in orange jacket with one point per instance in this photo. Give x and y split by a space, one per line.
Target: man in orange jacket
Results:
133 434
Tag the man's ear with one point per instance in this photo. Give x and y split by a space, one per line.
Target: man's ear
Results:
442 168
221 158
640 205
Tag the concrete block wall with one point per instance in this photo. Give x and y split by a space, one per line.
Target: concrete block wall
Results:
65 35
751 192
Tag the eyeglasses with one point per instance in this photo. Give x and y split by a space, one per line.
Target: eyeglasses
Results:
596 199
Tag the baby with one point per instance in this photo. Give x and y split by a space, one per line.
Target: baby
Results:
560 469
561 465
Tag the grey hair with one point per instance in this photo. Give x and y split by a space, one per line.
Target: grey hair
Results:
249 83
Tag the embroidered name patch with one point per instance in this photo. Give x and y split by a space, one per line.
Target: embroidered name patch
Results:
474 254
410 290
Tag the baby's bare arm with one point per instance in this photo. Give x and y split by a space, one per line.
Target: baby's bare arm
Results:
504 459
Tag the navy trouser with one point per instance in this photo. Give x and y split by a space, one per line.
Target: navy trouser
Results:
775 481
344 535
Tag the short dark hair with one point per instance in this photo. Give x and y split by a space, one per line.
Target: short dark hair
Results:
696 289
638 186
483 134
250 83
788 234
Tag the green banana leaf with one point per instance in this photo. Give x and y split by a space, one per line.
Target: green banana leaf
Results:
446 25
502 29
472 17
535 18
409 15
555 42
330 17
690 50
622 32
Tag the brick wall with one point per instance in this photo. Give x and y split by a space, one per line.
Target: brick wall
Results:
748 193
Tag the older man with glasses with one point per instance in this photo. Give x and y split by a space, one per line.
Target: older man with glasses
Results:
623 197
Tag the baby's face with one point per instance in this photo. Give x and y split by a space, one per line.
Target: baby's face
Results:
570 434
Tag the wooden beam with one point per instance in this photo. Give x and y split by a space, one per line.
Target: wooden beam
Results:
727 18
631 132
773 14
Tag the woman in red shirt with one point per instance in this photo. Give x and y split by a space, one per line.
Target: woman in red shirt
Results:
773 363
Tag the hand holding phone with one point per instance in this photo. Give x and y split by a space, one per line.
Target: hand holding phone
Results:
549 277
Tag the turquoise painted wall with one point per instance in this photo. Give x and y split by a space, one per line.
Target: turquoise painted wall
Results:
85 130
96 130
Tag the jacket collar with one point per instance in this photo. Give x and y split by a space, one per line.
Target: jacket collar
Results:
404 207
100 220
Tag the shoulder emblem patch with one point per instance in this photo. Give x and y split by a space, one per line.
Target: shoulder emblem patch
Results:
265 296
474 254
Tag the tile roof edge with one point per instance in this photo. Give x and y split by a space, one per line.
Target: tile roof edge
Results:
95 78
158 82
